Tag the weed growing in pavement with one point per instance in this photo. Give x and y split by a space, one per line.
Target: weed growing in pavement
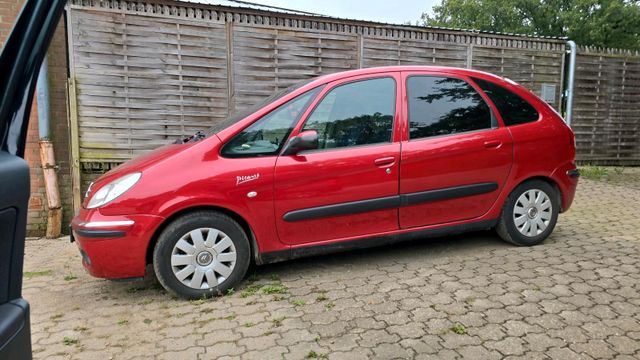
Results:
31 274
458 329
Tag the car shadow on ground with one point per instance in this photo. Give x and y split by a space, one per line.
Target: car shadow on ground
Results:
424 251
400 252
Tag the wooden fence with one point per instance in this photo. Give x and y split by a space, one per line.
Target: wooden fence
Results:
607 106
145 73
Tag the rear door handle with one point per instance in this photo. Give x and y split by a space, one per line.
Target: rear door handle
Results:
385 161
492 144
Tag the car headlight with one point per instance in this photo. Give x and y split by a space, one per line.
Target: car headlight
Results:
113 189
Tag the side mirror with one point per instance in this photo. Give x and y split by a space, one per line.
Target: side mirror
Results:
306 140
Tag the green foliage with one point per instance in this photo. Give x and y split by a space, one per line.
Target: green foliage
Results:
249 291
69 341
314 355
298 302
31 274
608 23
593 172
458 329
274 289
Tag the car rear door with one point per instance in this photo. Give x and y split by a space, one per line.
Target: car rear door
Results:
348 187
456 156
20 60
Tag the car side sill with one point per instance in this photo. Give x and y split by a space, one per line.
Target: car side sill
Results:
313 250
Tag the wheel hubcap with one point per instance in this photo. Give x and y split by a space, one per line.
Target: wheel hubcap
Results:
203 258
532 212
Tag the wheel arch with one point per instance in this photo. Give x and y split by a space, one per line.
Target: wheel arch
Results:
549 180
253 244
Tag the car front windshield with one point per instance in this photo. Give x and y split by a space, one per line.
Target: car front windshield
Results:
243 113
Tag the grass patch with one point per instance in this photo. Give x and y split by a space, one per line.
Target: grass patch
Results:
298 302
458 329
314 355
249 291
322 297
329 305
69 341
70 277
123 322
80 328
593 172
56 316
147 321
249 324
231 291
275 289
31 274
198 302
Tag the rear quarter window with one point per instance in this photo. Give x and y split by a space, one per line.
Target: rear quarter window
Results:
513 109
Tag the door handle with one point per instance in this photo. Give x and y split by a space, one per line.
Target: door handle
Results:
492 144
385 161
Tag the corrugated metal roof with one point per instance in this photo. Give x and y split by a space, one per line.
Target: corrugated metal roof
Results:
241 4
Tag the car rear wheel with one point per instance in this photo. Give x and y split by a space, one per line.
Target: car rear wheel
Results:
529 214
201 254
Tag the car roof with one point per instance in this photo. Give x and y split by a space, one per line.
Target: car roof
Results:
383 69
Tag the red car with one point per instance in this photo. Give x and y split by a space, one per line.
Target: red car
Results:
342 161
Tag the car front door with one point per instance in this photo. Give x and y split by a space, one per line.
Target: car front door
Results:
20 60
348 187
456 157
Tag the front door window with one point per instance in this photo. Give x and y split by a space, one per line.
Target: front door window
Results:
356 113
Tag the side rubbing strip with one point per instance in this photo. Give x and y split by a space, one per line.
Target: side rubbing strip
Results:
389 202
353 207
448 193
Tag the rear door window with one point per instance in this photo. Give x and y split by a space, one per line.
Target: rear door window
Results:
513 109
444 105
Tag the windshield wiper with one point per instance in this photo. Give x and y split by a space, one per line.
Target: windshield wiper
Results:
199 135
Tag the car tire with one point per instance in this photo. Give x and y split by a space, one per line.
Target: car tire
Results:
529 214
201 254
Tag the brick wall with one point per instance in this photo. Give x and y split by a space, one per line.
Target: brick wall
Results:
37 215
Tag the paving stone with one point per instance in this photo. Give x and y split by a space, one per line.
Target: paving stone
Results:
573 297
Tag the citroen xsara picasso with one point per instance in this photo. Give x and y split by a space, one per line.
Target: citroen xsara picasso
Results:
342 161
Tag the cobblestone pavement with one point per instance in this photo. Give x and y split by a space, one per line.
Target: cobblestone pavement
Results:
471 296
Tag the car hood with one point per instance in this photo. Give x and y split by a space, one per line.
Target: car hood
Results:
142 162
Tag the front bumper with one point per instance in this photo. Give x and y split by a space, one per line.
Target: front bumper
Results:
113 247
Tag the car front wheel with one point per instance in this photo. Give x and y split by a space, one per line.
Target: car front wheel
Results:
529 214
201 254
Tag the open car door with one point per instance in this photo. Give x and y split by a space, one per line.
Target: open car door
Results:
20 61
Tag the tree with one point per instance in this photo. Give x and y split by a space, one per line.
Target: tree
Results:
608 23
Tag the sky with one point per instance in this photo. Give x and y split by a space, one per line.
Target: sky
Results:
396 12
